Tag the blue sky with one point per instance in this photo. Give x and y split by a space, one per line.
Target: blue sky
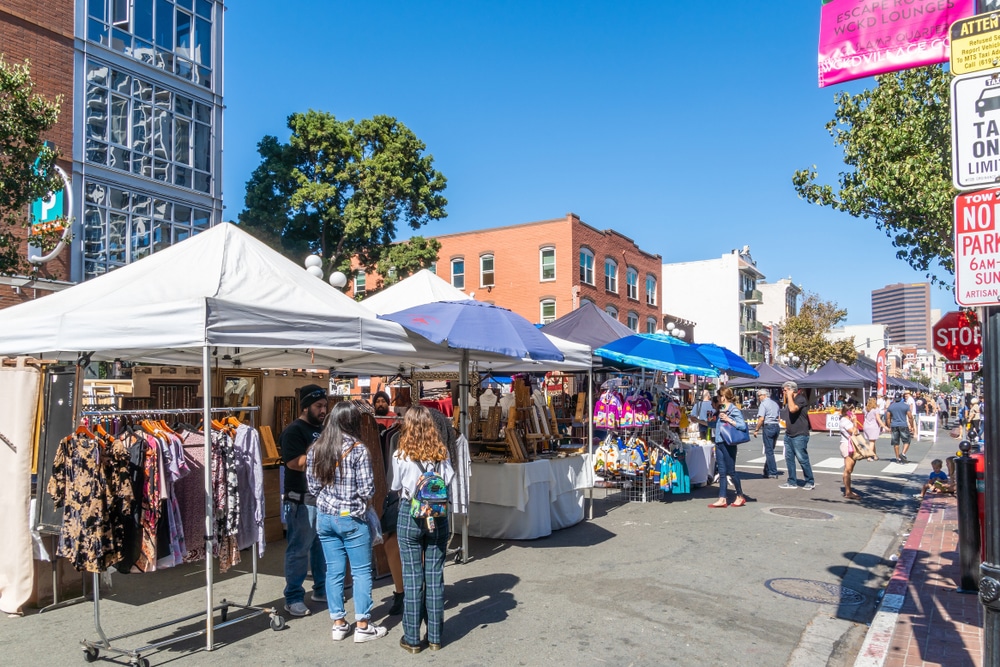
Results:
677 124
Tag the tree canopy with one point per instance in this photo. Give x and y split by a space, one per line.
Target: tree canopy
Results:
26 163
341 189
897 145
802 335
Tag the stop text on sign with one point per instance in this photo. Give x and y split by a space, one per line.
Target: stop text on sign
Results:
977 248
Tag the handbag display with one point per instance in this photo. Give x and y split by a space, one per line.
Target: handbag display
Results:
732 435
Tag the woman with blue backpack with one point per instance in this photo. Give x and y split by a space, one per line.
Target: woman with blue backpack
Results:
422 472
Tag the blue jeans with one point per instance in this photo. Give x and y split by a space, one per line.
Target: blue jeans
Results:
345 538
796 448
302 550
725 456
769 434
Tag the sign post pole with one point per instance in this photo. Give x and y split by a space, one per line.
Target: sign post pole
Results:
989 581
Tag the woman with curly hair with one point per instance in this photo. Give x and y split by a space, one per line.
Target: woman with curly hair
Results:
422 547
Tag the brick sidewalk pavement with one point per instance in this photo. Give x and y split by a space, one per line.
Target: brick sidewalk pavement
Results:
933 624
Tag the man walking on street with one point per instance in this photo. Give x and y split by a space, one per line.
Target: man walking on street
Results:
767 423
795 412
942 406
298 506
702 413
901 425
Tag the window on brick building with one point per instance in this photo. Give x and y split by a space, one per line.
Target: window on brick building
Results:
548 310
632 283
586 266
651 290
583 301
359 283
650 325
486 276
458 273
632 321
433 268
611 275
547 262
612 311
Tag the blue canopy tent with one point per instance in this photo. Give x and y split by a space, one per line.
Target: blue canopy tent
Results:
726 360
659 352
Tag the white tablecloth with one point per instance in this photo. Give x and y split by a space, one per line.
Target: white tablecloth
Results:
524 501
700 461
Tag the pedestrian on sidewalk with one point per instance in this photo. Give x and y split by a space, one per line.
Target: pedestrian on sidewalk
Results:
298 507
339 472
767 423
422 542
901 425
725 454
847 429
795 412
873 425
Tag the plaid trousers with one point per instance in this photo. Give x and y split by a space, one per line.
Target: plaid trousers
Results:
422 553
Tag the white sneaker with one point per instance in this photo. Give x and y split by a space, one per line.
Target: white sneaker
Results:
297 609
371 633
339 632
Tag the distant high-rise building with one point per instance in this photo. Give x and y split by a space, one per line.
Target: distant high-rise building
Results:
906 309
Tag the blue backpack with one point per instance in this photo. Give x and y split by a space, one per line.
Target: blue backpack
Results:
430 497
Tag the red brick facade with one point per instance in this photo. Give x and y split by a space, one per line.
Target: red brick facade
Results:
42 33
517 271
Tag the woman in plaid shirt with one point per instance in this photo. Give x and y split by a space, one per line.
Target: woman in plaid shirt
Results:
339 474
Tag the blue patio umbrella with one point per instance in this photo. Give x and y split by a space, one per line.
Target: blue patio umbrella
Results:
726 360
660 352
474 325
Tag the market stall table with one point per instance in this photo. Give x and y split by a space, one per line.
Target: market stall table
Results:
442 404
525 501
700 457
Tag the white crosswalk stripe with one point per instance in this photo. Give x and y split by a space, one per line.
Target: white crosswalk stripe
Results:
899 468
832 462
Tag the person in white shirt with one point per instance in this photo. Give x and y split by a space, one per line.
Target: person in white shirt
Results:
422 543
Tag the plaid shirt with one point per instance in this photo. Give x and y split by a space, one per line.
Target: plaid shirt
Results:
353 485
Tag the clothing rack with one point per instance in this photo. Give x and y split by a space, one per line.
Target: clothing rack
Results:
92 648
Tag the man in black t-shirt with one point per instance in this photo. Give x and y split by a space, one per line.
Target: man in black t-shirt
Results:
795 412
298 508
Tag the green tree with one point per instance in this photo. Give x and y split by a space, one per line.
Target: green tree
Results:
897 145
803 335
341 189
24 118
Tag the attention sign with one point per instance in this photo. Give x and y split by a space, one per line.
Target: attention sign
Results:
975 44
977 248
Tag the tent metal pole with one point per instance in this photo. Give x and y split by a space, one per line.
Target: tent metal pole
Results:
206 390
590 435
463 425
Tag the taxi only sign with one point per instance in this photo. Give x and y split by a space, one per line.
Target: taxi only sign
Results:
977 248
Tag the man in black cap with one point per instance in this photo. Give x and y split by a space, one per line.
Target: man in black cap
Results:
298 507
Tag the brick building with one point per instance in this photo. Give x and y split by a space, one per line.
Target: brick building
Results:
543 270
140 124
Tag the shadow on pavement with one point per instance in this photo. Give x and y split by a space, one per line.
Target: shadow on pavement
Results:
484 600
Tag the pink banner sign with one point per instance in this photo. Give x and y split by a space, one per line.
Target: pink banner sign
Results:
859 38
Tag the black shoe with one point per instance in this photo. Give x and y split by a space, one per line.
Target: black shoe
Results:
397 604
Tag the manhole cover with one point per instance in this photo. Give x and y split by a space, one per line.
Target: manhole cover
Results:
815 591
799 513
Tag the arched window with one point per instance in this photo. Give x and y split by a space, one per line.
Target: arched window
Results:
632 321
458 272
486 271
585 300
612 311
611 275
547 310
547 264
632 284
650 325
586 266
651 290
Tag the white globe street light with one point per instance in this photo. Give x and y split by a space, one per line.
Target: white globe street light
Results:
338 279
314 260
315 271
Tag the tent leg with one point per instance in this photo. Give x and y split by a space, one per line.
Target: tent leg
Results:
590 437
206 390
463 425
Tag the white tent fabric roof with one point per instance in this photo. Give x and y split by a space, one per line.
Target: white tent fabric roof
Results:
420 288
223 288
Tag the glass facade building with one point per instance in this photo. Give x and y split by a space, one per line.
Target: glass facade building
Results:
906 309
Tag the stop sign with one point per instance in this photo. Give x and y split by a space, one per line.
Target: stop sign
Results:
956 337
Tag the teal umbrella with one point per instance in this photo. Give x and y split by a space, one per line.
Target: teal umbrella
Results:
659 352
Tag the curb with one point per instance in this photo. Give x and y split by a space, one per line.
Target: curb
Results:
878 639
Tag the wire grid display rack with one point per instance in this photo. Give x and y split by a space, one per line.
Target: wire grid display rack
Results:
641 486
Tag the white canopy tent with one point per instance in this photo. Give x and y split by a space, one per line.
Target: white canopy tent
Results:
220 298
